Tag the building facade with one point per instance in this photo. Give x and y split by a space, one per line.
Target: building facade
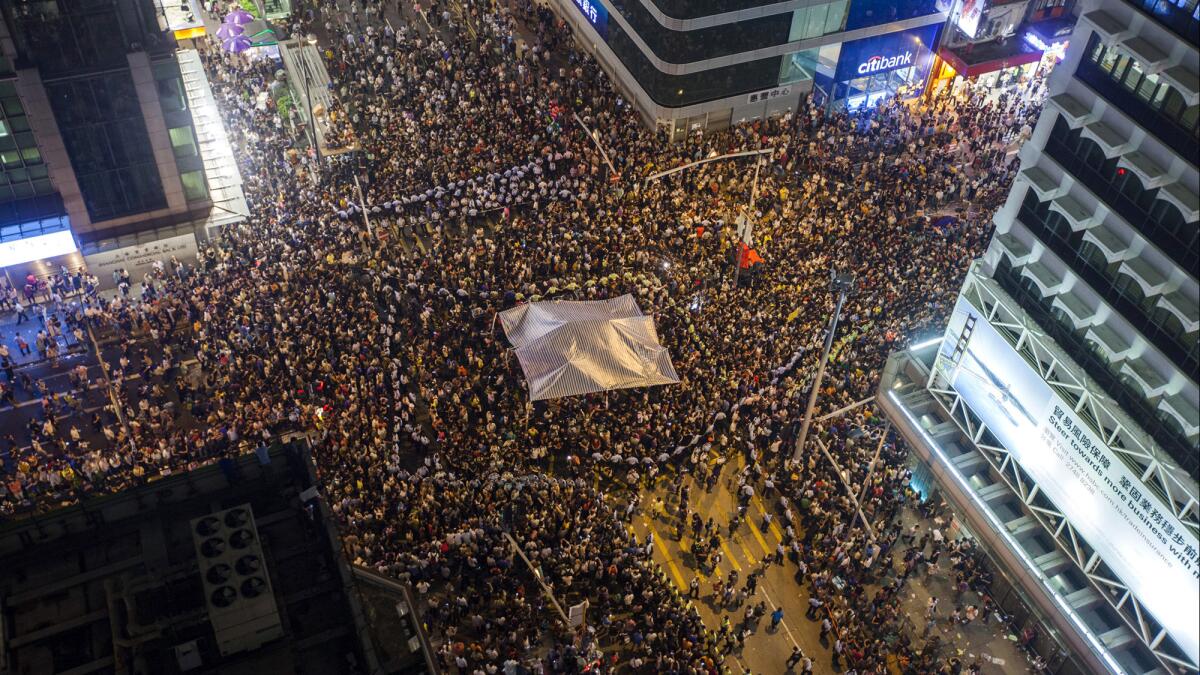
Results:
1058 414
100 136
709 64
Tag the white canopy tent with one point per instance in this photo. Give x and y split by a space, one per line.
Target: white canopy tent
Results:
572 348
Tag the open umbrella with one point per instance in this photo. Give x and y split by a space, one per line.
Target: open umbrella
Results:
229 30
239 17
236 44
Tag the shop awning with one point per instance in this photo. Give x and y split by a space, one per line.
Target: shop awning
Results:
975 60
1053 30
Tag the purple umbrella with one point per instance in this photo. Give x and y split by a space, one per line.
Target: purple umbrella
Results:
237 44
239 17
229 30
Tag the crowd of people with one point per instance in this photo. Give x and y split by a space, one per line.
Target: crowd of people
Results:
377 336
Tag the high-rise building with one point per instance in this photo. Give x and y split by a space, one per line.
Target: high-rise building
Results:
1058 414
711 63
100 137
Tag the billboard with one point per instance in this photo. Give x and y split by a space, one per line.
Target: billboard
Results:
968 16
1134 531
37 247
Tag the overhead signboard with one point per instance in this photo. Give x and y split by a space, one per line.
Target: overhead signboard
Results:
595 13
1134 531
40 247
885 53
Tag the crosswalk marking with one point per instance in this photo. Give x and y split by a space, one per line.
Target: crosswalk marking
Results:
662 548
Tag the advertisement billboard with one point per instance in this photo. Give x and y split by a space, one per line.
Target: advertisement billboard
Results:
968 16
1131 528
38 247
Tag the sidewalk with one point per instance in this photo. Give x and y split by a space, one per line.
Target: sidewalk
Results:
28 329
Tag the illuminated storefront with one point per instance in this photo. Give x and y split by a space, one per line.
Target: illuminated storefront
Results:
877 68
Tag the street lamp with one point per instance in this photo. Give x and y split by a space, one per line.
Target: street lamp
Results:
841 282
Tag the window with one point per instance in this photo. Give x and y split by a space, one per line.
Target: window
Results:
183 142
3 128
194 187
10 158
171 95
31 155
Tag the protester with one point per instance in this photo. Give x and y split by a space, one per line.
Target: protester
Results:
377 338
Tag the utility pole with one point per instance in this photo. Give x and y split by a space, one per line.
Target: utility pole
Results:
362 204
537 574
841 283
596 140
746 231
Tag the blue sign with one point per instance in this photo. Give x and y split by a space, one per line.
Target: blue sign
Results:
596 14
884 53
867 13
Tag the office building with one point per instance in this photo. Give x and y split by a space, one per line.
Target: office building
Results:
107 135
706 65
1058 413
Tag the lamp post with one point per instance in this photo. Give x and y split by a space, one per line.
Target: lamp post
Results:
841 283
311 41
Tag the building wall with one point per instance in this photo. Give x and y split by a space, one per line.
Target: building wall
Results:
1099 233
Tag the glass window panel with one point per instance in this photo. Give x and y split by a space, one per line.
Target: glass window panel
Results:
1188 119
38 171
182 141
171 95
8 88
835 16
18 123
1146 88
12 106
1133 77
43 186
31 155
22 190
10 158
816 21
3 128
25 140
194 187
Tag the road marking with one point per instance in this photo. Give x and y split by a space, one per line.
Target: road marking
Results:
729 555
758 504
782 622
662 548
758 535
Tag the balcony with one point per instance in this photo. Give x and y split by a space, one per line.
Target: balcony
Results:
1184 199
1116 348
1047 281
1152 382
1072 304
1187 82
1183 408
1152 175
1018 252
1107 25
1075 112
1152 58
1111 141
1043 183
1115 248
1149 276
1075 212
1183 307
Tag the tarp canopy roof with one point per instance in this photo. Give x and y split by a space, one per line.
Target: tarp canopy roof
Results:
573 348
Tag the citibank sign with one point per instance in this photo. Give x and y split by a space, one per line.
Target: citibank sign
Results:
877 63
